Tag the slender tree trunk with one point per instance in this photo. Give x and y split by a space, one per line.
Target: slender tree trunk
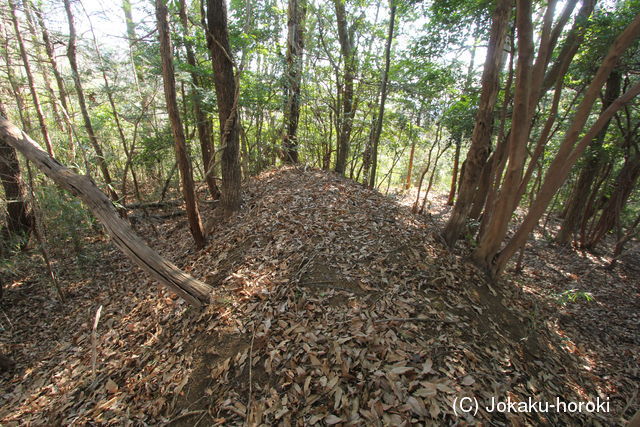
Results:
295 48
227 97
348 109
594 203
623 240
112 103
484 182
71 54
414 209
588 174
383 94
498 160
62 91
548 40
203 121
497 226
481 138
623 187
132 39
454 175
48 45
182 157
366 154
192 290
569 151
407 184
434 169
30 79
570 46
42 68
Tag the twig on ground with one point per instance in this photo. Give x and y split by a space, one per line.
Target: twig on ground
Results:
186 414
414 319
94 342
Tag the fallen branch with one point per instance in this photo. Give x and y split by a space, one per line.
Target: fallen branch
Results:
144 205
192 290
414 319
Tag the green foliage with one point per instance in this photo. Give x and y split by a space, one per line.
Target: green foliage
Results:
600 31
155 148
460 117
451 23
574 296
65 218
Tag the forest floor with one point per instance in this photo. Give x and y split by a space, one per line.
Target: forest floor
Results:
334 305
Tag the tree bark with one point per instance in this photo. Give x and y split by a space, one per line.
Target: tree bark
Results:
42 68
383 95
132 40
182 157
499 221
570 150
30 79
588 174
20 218
203 121
48 45
454 174
295 49
114 111
570 45
622 189
71 54
407 184
227 98
193 291
348 111
481 137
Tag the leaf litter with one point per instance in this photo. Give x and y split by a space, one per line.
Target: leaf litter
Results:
334 305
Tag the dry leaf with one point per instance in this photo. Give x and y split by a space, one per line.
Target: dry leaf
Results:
111 386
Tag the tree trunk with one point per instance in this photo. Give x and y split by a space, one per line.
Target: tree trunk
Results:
62 91
15 88
227 92
192 290
498 158
295 48
348 111
622 189
71 54
20 219
114 111
434 169
30 79
407 184
203 121
569 151
182 157
454 175
383 95
481 138
497 226
132 40
41 65
48 45
414 209
570 46
588 174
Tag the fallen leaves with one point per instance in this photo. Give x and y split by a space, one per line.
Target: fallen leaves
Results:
334 306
